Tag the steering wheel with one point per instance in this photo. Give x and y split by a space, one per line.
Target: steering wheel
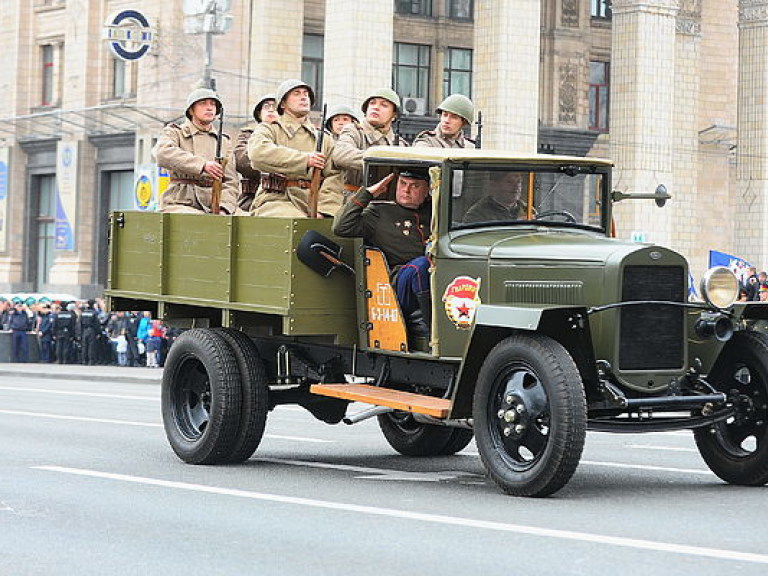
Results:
567 216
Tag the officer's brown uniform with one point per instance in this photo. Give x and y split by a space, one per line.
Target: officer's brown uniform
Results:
489 209
183 150
281 149
353 141
249 184
436 139
400 232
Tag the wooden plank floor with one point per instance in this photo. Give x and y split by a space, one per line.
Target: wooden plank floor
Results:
417 403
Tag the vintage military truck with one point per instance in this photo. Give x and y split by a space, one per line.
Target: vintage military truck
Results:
543 326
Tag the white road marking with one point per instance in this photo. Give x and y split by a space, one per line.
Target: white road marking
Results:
646 467
80 418
638 544
298 439
662 448
377 473
78 393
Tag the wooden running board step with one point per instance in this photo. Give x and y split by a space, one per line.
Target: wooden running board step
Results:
418 403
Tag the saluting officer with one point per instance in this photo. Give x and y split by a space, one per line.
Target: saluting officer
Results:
286 150
456 112
381 109
264 111
188 152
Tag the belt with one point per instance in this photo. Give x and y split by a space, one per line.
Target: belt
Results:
351 188
298 184
201 183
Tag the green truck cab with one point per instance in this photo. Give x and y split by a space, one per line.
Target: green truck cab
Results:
543 326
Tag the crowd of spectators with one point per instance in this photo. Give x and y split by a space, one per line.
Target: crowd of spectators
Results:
83 332
753 286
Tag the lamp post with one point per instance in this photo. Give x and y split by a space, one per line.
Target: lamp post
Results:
207 17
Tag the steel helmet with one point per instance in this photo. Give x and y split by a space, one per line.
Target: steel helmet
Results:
202 94
338 110
387 94
263 100
289 85
460 105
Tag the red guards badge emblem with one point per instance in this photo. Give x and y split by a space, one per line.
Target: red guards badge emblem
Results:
461 300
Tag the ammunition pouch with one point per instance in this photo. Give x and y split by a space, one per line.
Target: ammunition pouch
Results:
275 183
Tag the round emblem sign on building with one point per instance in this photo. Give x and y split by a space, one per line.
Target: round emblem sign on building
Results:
128 34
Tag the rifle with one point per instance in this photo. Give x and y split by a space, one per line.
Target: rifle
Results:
216 185
479 138
314 187
396 130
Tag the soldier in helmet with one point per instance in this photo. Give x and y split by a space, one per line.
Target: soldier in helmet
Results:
338 117
455 112
381 109
264 111
286 150
188 152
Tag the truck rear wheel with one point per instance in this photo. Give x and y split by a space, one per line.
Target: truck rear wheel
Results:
412 438
201 397
737 449
529 415
253 403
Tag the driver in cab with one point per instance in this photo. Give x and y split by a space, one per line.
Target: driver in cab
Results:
503 202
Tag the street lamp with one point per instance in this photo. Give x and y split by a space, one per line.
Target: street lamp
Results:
207 17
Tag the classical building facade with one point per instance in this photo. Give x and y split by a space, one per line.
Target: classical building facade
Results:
672 90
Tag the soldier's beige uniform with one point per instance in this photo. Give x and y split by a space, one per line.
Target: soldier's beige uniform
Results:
249 185
436 139
353 141
183 150
282 148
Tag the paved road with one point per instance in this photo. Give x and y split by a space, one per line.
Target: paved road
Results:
88 485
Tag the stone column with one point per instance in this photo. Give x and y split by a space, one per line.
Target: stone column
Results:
358 49
642 98
751 241
506 72
276 45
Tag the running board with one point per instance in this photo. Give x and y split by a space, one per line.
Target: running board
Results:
406 401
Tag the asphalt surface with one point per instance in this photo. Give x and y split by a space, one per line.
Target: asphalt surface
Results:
137 375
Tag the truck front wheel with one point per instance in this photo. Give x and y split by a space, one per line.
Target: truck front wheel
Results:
529 415
737 449
201 397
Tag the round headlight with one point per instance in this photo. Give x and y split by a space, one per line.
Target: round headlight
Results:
719 287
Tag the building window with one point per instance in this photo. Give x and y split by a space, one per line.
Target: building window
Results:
312 66
43 228
461 9
124 77
598 96
457 74
601 9
48 76
414 7
410 72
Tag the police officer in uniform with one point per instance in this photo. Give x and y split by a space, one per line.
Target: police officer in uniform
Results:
90 328
45 332
188 152
264 111
381 109
63 334
285 150
401 229
455 112
338 117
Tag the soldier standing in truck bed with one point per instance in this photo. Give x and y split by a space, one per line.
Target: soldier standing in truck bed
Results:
264 111
338 117
455 112
188 152
381 109
286 150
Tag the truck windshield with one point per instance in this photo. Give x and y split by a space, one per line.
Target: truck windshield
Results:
569 195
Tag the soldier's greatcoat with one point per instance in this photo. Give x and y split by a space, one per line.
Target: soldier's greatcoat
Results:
282 147
436 139
183 150
353 141
250 182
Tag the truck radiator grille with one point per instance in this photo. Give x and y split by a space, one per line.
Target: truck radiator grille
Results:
543 292
652 336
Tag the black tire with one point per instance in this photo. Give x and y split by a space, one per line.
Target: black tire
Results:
530 415
412 438
736 449
254 404
201 394
459 439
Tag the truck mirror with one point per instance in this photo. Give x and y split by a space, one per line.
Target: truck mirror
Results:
660 196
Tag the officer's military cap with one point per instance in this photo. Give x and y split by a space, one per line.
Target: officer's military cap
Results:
416 173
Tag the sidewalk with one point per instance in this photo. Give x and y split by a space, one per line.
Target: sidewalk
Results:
140 375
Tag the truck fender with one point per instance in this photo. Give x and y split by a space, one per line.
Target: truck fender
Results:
567 325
